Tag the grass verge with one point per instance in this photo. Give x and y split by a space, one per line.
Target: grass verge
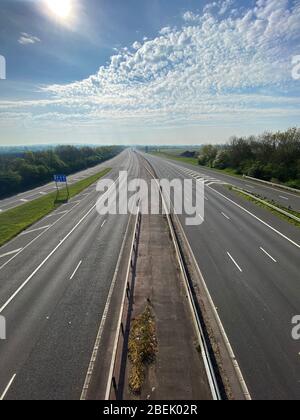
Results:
258 203
191 161
195 162
142 349
16 220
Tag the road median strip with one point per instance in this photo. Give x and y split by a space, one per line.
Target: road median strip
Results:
225 363
15 221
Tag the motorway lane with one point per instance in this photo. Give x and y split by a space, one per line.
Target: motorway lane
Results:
18 200
62 316
256 304
280 196
40 243
53 321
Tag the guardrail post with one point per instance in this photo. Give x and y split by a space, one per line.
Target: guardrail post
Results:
114 383
128 291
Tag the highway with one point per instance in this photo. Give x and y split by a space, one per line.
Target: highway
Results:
278 195
250 262
53 291
55 279
27 196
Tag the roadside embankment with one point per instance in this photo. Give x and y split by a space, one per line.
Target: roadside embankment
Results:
14 221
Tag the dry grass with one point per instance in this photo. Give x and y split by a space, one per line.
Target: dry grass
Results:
142 349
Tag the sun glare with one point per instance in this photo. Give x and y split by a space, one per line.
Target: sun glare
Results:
60 8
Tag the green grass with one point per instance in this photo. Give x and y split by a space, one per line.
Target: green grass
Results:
191 161
195 162
264 206
16 220
227 171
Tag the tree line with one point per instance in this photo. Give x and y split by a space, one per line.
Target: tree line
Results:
25 170
270 156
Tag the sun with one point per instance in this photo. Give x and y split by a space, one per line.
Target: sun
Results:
61 8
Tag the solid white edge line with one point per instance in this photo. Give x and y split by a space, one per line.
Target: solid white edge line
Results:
8 387
198 328
116 342
52 252
235 263
270 256
76 269
103 320
103 223
218 320
255 217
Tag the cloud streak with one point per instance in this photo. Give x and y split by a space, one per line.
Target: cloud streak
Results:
27 39
208 56
224 64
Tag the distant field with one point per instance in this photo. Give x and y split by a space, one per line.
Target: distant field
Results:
14 221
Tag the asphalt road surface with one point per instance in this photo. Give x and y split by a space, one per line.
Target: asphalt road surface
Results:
55 278
53 292
250 262
283 197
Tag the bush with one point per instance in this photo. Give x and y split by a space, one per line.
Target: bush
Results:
269 156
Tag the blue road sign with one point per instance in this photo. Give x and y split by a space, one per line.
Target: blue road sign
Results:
60 178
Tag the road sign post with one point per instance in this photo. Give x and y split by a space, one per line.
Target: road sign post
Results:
61 179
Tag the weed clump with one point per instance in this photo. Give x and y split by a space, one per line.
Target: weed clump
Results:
142 349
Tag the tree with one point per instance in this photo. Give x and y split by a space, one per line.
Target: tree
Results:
25 169
270 156
207 155
222 160
9 183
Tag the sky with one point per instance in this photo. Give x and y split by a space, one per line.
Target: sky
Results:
147 72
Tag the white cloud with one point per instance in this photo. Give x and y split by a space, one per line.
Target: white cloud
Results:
191 17
217 67
225 6
27 39
165 31
136 45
